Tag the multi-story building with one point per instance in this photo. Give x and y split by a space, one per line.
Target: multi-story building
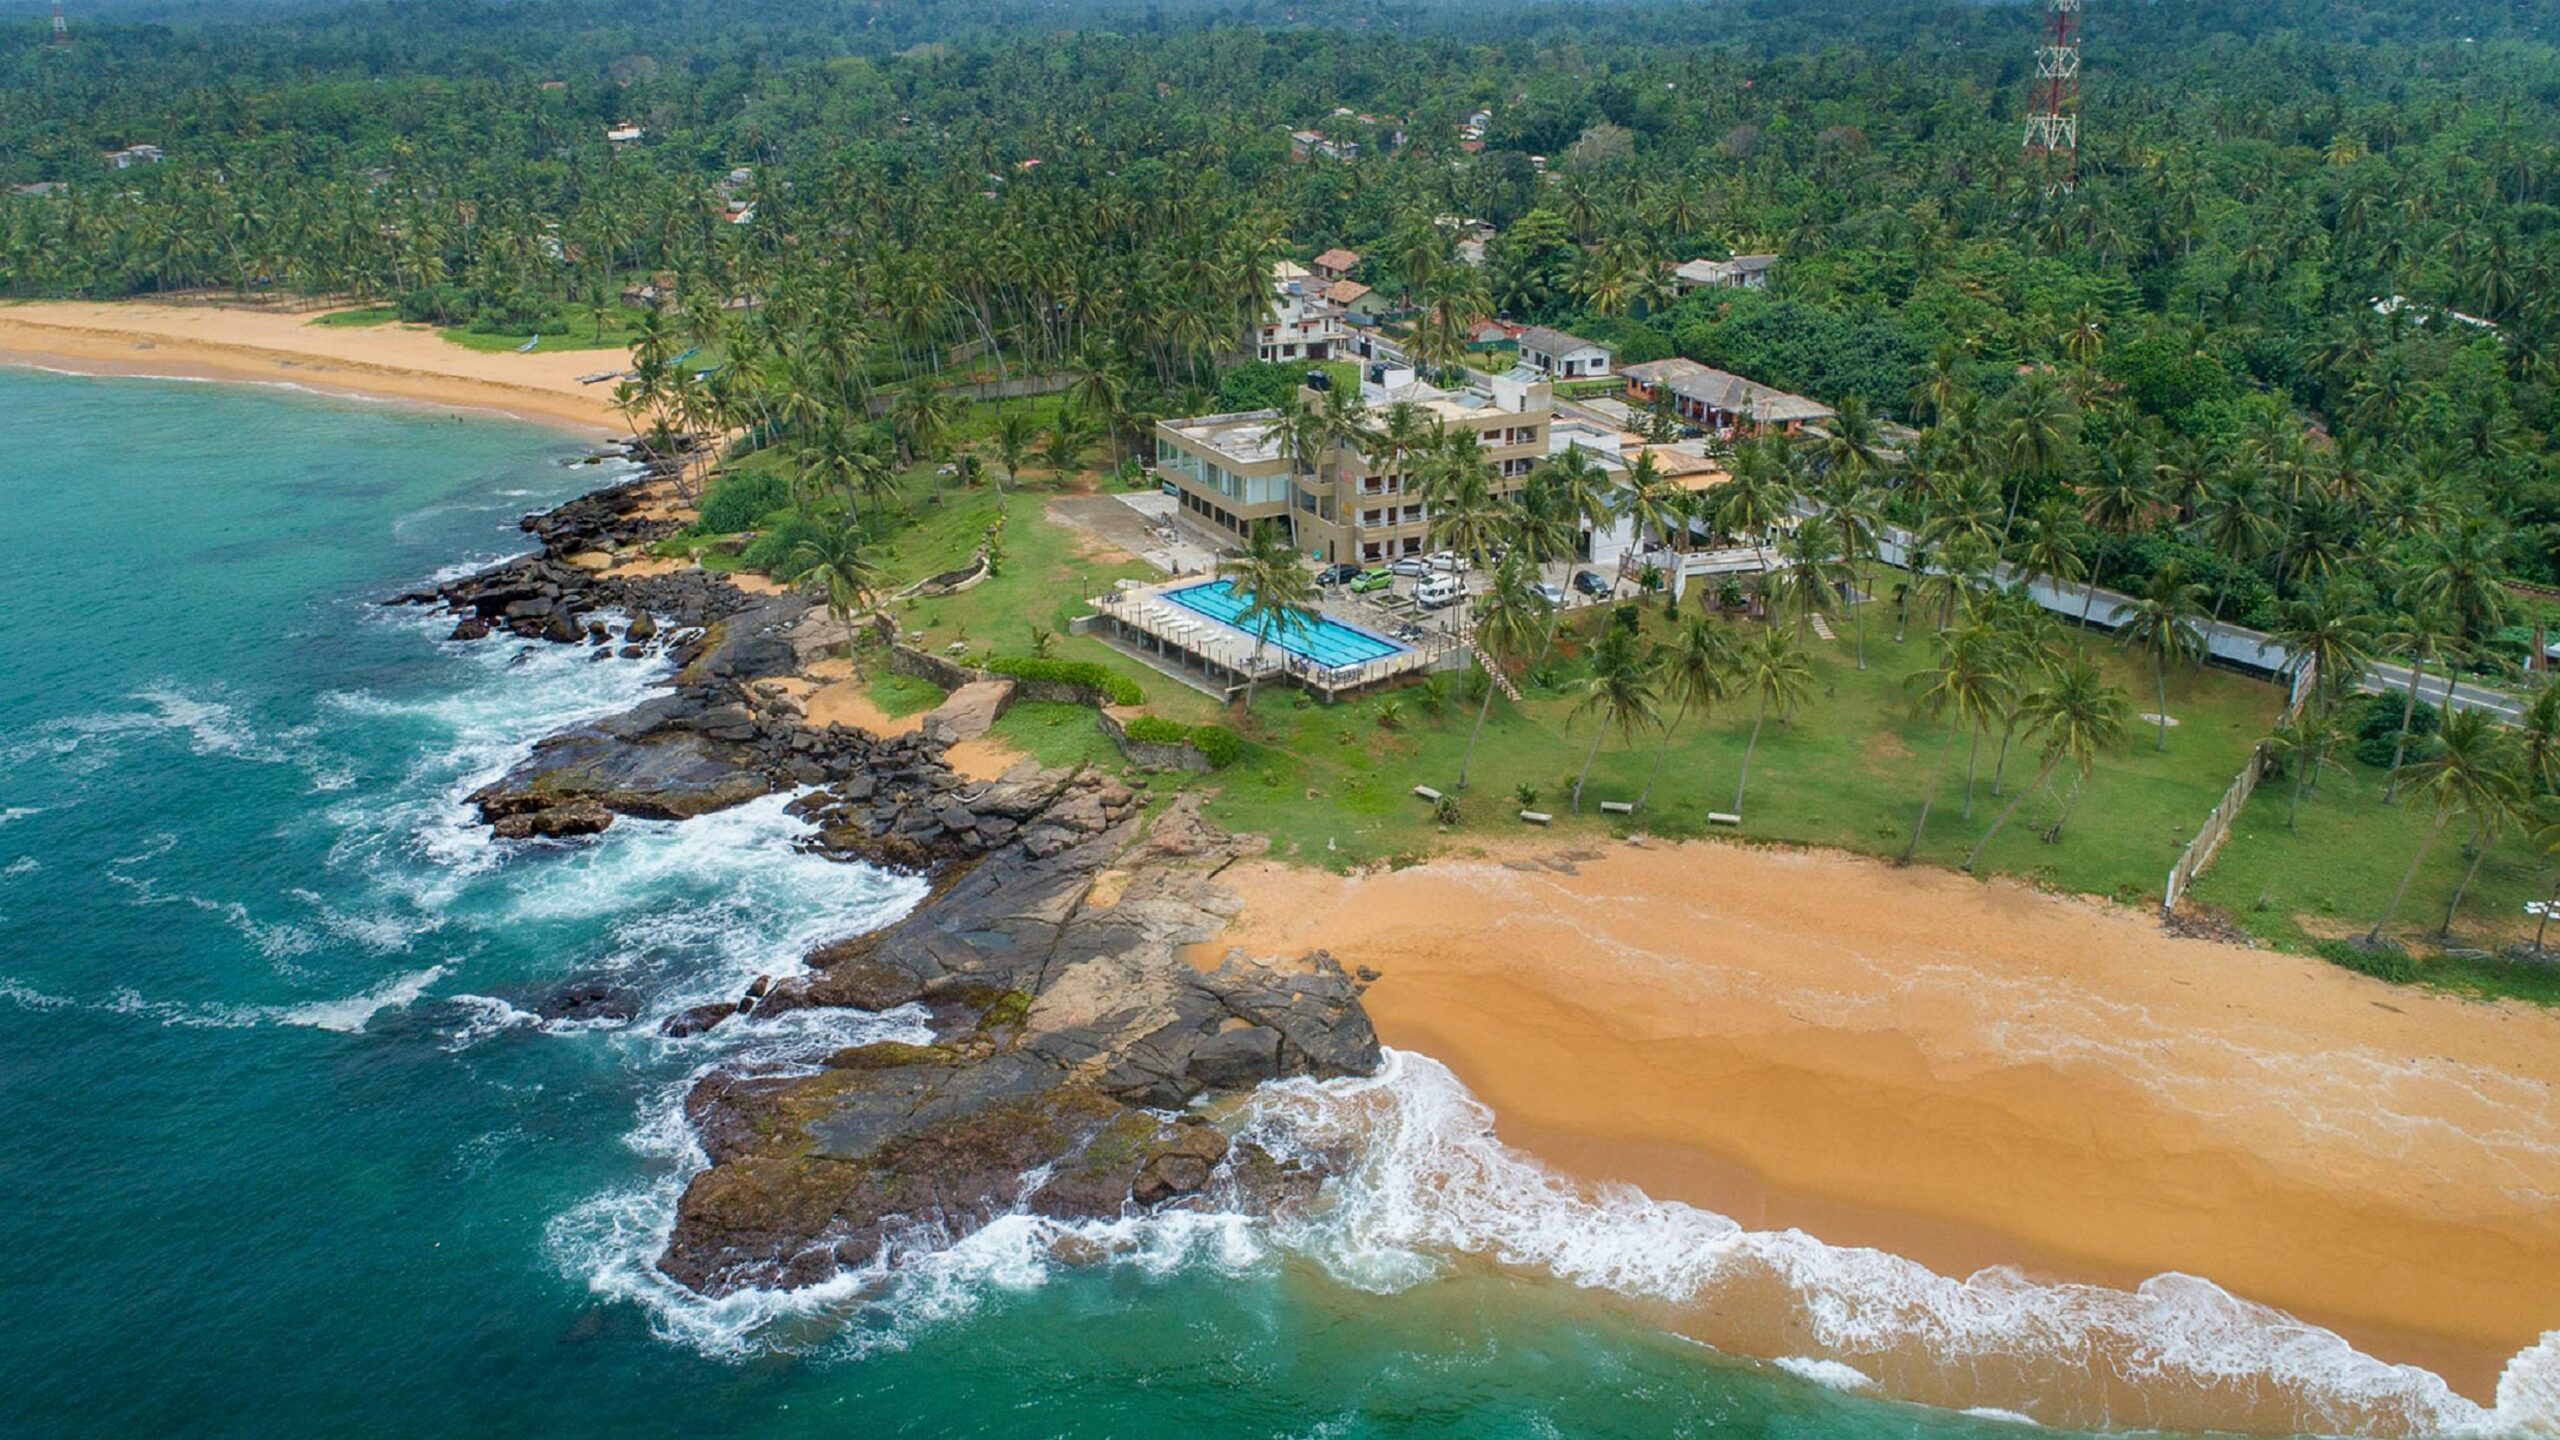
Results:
1303 324
1232 473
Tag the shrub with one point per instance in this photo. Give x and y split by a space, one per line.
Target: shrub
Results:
2378 733
1156 730
2382 962
1101 680
1217 744
740 500
772 551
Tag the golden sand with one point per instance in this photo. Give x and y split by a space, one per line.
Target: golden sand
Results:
1970 1074
404 362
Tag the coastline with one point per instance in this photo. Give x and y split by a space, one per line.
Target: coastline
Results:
405 363
1970 1075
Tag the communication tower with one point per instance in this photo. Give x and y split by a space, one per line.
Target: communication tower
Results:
2053 116
61 32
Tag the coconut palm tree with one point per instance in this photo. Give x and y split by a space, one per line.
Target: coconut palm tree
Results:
1279 595
1811 573
1696 666
1758 493
1856 512
1774 668
1620 692
1017 438
1650 503
834 563
1509 617
1064 443
2305 743
2161 623
1966 684
2050 547
2078 714
2120 500
2425 635
2235 519
2329 633
2467 773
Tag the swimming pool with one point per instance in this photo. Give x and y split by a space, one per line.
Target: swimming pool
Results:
1325 641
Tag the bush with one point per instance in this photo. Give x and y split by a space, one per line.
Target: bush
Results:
2378 733
1101 680
1217 744
771 551
740 500
1156 730
2382 962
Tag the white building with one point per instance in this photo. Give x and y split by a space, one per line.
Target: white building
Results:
1303 324
1742 272
132 155
1566 357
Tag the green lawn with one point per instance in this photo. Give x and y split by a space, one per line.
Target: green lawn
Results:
2330 876
580 334
354 319
1848 772
902 695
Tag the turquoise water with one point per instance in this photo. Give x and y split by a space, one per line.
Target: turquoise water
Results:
282 1153
1325 640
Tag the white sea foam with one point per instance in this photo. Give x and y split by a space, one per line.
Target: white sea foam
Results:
10 815
1994 1412
350 1015
23 865
1826 1372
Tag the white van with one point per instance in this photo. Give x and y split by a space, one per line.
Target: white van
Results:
1439 592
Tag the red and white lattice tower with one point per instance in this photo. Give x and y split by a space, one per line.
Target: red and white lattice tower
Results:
61 32
2053 118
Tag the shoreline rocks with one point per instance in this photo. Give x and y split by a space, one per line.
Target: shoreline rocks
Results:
1071 1038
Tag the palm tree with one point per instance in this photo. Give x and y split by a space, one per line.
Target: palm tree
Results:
2050 548
2079 714
2329 633
1064 443
2120 500
1017 437
1773 667
2468 773
1506 625
1757 493
2236 521
2424 635
834 563
1810 573
2304 743
1651 503
1856 510
1965 684
1278 593
1620 691
2161 623
1696 666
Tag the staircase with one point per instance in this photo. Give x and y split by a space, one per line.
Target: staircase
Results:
1822 627
1501 681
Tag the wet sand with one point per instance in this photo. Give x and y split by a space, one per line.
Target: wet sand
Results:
393 361
1969 1075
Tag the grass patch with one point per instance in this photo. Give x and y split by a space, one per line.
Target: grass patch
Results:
357 319
617 336
1848 771
1057 734
902 695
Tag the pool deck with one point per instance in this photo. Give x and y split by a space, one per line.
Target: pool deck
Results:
1218 658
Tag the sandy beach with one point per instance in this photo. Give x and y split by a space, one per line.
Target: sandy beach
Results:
401 362
1973 1075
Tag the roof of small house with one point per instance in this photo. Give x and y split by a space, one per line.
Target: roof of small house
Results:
1656 372
1722 390
1345 292
1555 342
1337 259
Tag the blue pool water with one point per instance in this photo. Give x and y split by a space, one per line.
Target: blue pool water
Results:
1325 641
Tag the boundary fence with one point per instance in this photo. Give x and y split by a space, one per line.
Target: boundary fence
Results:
2199 852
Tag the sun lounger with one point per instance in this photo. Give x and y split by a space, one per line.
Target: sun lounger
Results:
1617 807
1718 817
1537 817
1427 793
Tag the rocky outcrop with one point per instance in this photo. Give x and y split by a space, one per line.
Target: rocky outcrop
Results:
1067 1027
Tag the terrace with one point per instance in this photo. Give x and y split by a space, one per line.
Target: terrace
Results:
1186 629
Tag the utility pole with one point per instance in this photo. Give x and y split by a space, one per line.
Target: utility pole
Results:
2053 116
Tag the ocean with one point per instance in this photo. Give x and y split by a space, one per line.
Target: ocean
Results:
285 1152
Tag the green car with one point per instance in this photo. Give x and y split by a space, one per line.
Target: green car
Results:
1368 580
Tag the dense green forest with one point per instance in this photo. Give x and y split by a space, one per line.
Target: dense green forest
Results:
2195 324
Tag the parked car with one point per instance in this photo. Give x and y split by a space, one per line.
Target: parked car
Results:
1337 574
1413 565
1439 591
1551 593
1448 560
1380 579
1169 488
1590 583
